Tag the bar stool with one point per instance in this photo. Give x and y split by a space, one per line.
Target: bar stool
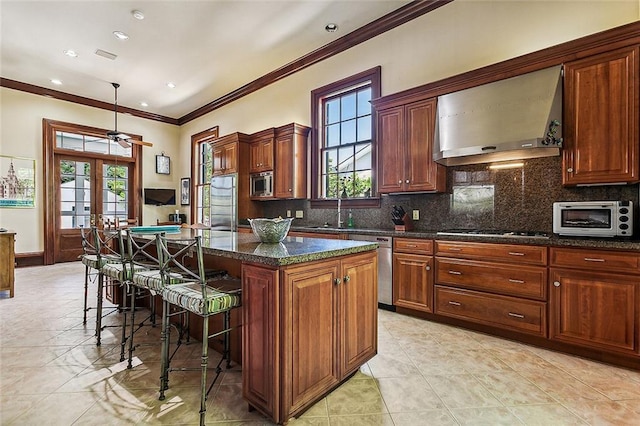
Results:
199 296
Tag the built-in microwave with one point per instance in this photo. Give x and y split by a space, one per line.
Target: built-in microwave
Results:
261 184
593 218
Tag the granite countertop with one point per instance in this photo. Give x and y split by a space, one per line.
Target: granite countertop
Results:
247 247
553 241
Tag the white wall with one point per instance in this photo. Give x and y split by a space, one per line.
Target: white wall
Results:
461 36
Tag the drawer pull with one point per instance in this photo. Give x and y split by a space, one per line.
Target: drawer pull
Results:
515 253
451 302
455 272
428 268
511 314
454 249
513 280
412 245
593 259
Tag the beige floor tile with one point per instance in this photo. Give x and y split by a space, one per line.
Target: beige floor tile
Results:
521 359
546 415
398 365
408 394
47 411
607 382
462 391
604 412
489 416
14 405
561 386
431 418
319 409
512 389
356 397
362 420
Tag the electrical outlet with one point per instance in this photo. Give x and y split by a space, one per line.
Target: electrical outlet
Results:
416 215
299 214
288 213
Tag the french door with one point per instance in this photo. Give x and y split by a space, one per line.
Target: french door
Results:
89 179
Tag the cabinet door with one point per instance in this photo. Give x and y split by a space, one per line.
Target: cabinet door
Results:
593 309
311 339
391 170
601 108
359 311
283 176
261 156
413 281
231 158
423 173
218 160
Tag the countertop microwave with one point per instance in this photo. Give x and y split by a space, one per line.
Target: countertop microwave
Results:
593 218
261 184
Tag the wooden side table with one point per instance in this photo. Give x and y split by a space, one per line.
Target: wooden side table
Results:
7 261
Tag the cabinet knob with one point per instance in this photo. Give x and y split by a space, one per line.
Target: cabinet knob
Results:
400 181
406 181
290 189
556 283
428 268
347 278
336 281
570 170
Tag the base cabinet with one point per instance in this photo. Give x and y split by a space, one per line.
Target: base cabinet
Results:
413 274
306 328
7 262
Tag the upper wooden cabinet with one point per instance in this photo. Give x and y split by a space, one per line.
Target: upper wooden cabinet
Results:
290 174
405 149
261 153
601 144
227 151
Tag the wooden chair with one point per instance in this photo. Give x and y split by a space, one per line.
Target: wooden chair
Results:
168 222
200 296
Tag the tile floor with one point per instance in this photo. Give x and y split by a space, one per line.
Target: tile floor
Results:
51 373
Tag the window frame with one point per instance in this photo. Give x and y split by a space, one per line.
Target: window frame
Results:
317 96
208 136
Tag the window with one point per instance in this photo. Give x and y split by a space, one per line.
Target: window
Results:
343 142
203 153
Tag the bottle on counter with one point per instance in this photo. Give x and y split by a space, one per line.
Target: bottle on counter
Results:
350 221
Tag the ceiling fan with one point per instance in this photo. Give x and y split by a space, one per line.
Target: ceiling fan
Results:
123 139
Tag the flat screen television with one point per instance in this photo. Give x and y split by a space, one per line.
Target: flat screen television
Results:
160 196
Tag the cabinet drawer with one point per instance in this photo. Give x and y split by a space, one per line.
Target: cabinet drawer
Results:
595 260
413 246
524 281
525 316
531 255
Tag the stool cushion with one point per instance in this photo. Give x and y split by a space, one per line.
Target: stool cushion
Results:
91 260
118 272
152 281
189 296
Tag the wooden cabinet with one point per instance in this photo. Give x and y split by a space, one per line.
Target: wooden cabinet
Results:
501 285
227 152
413 274
405 149
593 304
335 236
261 152
290 172
7 262
601 142
306 329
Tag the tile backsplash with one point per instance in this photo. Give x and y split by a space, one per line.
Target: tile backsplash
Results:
476 197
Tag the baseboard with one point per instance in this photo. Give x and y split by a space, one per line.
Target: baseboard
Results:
29 259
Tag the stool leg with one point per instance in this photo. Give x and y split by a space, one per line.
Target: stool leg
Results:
99 308
204 364
227 342
132 304
86 293
123 338
164 364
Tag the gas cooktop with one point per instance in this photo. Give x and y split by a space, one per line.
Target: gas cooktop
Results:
494 233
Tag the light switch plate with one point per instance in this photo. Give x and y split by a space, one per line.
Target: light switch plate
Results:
288 213
299 214
416 215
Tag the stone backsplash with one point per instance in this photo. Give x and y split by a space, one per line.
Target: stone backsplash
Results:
476 198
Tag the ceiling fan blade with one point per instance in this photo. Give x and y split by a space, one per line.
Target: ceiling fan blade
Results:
123 143
137 142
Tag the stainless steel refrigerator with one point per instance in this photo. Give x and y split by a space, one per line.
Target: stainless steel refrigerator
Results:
224 203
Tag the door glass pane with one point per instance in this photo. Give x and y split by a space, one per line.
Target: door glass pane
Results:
115 190
75 193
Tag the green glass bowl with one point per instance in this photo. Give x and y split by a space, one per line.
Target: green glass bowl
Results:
271 230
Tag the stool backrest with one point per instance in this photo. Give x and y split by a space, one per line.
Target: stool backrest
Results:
105 242
140 251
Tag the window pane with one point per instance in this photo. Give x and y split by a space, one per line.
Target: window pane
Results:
348 106
348 132
362 184
345 159
330 161
364 128
364 107
332 133
363 157
332 111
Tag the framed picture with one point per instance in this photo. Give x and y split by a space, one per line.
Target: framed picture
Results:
185 191
17 182
163 164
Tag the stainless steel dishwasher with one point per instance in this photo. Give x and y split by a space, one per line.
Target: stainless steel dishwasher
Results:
385 277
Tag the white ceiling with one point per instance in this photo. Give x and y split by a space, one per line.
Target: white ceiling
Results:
207 48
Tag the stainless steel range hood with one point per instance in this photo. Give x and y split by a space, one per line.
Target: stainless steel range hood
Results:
515 118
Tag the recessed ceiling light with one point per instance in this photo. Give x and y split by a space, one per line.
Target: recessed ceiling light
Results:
171 85
120 35
71 53
56 81
331 28
144 104
138 14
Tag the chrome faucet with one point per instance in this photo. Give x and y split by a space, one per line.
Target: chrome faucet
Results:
339 220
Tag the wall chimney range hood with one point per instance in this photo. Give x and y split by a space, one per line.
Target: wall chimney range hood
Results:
512 119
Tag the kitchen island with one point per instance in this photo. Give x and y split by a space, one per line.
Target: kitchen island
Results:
309 314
